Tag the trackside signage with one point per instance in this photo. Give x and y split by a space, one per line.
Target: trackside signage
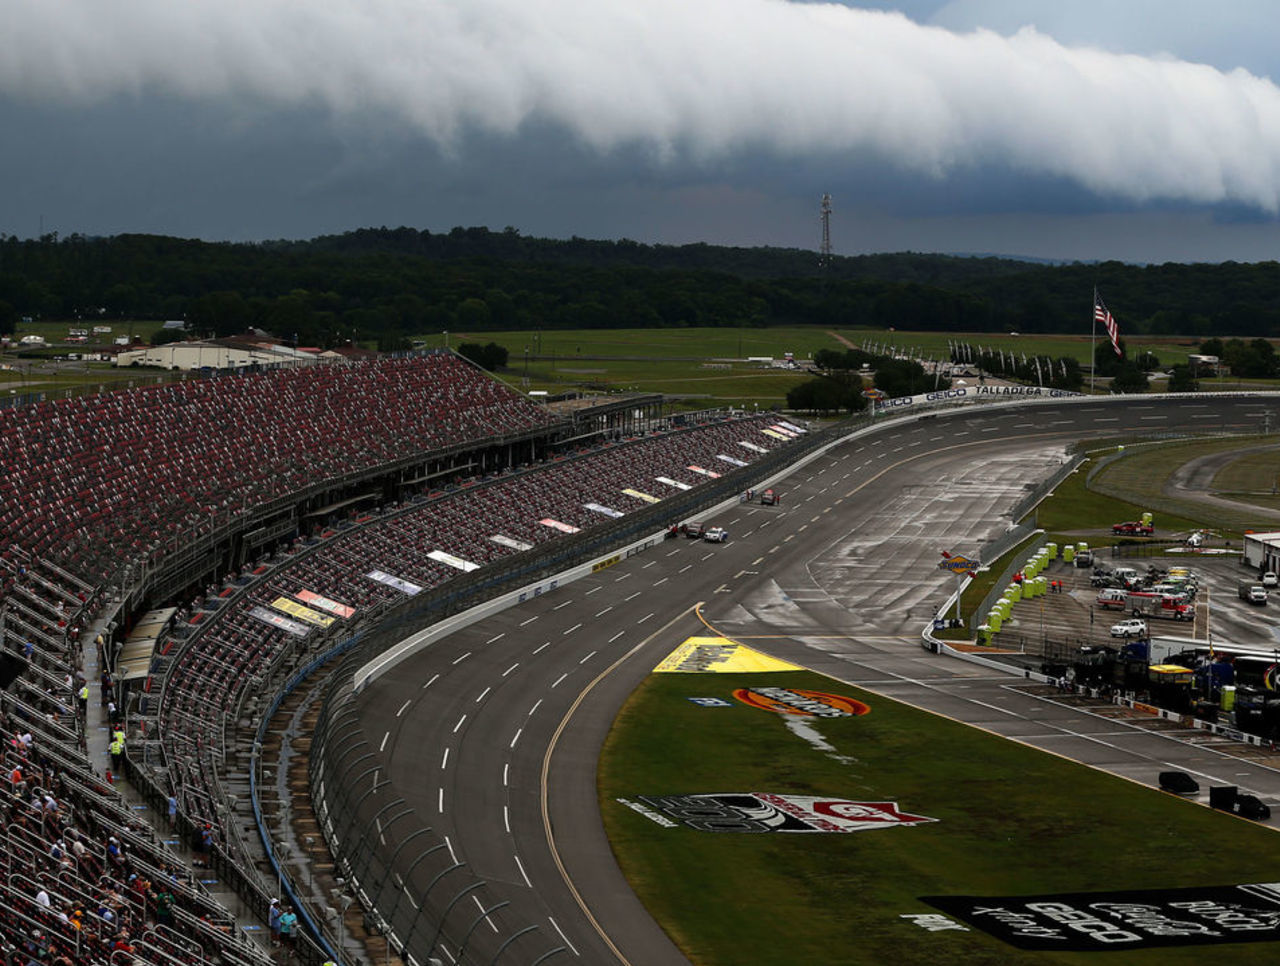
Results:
807 704
756 812
971 393
1125 920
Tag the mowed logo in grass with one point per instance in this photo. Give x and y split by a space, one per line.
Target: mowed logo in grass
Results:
798 701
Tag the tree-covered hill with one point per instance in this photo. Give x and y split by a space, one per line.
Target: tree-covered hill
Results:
389 284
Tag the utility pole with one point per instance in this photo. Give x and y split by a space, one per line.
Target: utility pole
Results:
824 252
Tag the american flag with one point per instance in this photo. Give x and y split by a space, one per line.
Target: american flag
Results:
1100 314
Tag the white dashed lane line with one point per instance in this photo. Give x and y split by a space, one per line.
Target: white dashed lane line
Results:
459 724
587 658
434 678
510 669
534 708
444 760
632 597
496 637
404 707
565 604
519 732
522 875
616 636
644 618
559 679
571 630
541 647
600 614
461 657
535 616
483 694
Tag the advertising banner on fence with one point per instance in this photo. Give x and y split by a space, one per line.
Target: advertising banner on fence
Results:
280 621
972 394
752 446
324 603
504 541
1135 919
698 469
449 560
670 482
647 497
607 511
294 609
401 585
557 525
733 460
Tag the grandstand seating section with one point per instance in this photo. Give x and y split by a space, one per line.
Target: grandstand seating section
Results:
95 482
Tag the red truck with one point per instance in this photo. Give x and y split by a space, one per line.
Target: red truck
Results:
1133 528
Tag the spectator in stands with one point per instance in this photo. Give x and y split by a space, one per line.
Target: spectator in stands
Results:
288 927
273 920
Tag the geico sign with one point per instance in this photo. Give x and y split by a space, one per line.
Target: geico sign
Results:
974 392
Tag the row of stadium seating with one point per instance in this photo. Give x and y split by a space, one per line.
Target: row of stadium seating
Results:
231 647
94 482
94 479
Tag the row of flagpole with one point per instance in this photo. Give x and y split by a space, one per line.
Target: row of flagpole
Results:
962 352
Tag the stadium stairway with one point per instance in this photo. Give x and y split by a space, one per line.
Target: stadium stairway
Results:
97 746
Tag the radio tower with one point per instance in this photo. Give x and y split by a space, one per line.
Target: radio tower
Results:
824 253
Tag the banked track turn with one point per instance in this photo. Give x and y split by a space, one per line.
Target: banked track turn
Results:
492 734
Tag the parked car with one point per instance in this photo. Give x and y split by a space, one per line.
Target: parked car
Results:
694 531
716 535
1269 580
1133 627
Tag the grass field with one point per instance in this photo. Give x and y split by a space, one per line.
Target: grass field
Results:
1010 821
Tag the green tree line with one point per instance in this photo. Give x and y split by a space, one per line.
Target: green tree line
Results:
390 284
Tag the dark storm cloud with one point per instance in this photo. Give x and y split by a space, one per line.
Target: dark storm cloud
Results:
682 81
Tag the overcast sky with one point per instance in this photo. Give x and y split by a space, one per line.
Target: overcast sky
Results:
1145 130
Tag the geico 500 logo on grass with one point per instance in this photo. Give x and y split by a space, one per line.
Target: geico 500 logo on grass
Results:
809 704
763 812
1133 919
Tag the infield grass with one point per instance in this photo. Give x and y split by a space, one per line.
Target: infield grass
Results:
1011 820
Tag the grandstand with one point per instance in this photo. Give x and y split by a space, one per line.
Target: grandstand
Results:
280 515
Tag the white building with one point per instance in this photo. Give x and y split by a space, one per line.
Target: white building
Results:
214 355
1262 550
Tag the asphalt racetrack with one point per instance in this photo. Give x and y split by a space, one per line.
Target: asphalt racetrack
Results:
493 733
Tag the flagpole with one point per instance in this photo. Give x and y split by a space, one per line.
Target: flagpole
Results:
1093 342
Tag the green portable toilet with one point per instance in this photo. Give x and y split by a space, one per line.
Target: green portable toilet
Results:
995 620
1013 592
984 634
1053 550
1228 697
1068 554
1082 547
1146 519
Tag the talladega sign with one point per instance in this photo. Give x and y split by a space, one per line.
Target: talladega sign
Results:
972 394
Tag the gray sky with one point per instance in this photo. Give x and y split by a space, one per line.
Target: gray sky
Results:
1146 130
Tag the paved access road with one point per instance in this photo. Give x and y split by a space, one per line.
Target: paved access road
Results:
493 733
